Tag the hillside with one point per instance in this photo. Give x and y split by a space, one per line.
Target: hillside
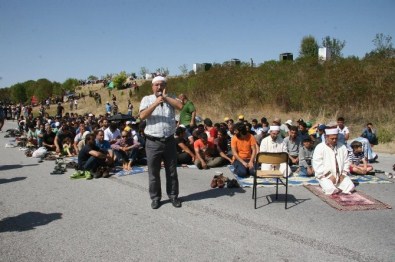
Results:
362 91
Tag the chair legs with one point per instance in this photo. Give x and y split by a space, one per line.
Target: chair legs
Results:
276 188
286 191
254 189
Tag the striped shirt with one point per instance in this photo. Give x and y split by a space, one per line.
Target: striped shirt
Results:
356 159
162 122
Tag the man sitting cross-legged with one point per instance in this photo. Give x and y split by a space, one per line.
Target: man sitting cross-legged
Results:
185 156
358 161
206 153
90 158
244 150
126 148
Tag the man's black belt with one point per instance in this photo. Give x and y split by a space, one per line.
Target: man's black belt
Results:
160 139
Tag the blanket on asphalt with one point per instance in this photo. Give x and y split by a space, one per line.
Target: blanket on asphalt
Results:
354 202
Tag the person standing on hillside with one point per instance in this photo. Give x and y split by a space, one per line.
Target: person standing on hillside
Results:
130 108
114 108
158 110
187 113
108 108
344 132
59 110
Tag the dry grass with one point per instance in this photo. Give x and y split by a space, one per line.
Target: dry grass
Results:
216 110
88 104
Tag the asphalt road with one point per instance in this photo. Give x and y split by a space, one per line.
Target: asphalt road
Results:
47 217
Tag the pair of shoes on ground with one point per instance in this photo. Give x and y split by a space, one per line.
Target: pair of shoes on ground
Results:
79 174
103 172
232 183
58 170
219 181
175 201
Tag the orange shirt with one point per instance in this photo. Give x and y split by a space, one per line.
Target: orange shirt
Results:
209 150
243 146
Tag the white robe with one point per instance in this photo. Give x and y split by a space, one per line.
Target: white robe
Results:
324 162
268 145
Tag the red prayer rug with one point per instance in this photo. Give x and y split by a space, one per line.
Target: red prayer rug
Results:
354 202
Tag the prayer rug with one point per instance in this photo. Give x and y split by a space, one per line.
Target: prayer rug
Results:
354 202
300 180
135 170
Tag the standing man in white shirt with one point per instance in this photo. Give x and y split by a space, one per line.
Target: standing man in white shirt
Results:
344 133
158 110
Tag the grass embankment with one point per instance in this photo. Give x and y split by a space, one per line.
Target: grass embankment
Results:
359 90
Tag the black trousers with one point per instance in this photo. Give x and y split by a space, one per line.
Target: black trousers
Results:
157 151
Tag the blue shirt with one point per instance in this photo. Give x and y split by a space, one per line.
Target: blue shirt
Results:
103 146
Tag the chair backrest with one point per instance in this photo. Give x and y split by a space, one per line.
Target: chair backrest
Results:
272 158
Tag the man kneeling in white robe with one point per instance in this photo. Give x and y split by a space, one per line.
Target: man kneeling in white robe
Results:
332 165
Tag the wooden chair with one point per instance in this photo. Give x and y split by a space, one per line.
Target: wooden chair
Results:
272 159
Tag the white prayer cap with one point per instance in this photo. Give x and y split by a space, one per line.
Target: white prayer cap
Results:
57 124
128 122
331 131
289 122
274 128
158 78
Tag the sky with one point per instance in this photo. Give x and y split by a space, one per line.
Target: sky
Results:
58 40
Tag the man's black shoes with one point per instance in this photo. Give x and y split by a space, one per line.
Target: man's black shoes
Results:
176 202
155 204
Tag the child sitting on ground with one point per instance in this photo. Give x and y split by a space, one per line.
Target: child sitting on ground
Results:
68 147
305 156
359 162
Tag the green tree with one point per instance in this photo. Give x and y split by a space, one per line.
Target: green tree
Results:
30 88
43 89
335 46
18 93
184 69
5 94
119 79
70 84
57 89
384 48
92 78
308 47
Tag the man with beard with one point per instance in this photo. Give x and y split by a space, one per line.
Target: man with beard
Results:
274 144
331 165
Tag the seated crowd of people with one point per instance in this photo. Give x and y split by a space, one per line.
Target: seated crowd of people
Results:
99 142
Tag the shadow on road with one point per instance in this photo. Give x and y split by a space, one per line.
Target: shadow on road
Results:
213 193
27 221
7 167
9 180
271 199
